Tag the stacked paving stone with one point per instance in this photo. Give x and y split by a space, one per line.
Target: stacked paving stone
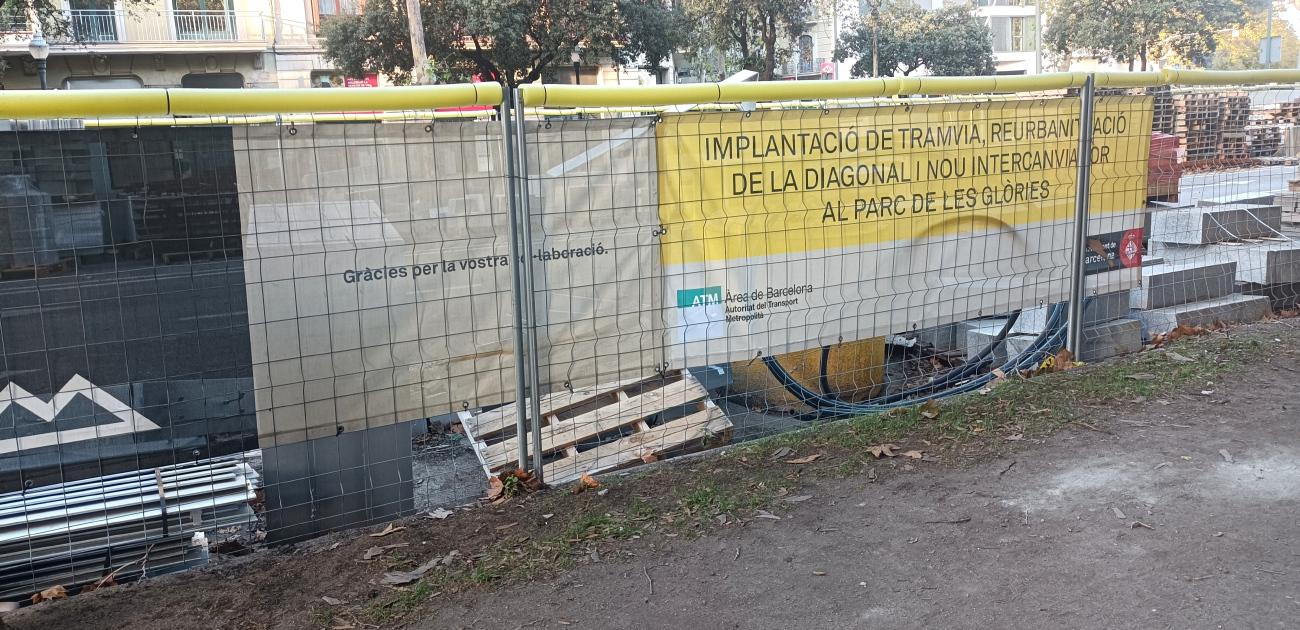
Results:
1109 330
1217 260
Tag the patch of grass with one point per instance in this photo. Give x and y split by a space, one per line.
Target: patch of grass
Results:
685 500
1027 407
322 617
402 601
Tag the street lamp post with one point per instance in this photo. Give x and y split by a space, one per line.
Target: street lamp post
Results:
875 39
40 51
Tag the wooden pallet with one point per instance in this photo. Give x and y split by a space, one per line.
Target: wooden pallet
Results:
605 427
38 271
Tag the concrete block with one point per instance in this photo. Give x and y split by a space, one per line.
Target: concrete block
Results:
1253 198
1215 224
1113 338
1290 201
1272 262
1227 309
981 329
1155 207
1283 296
944 338
1101 308
1174 284
979 337
1016 345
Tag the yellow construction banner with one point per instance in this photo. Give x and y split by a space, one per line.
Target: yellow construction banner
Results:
817 225
761 183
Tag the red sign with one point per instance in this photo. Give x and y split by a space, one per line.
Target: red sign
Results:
828 67
1130 248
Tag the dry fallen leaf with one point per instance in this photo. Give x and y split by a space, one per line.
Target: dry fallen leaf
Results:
930 409
54 592
505 527
649 457
884 450
1064 360
331 601
914 454
804 460
590 482
438 514
495 488
389 530
104 583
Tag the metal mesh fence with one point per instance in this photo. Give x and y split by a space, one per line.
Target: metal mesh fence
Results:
239 330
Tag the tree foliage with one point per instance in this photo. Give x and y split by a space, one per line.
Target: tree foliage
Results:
510 41
1239 49
1138 31
760 32
950 41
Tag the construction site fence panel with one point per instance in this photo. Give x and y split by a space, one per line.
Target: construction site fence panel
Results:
237 318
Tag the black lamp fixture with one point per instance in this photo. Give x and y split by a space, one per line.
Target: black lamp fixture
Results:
40 51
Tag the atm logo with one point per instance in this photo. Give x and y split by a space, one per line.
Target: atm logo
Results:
708 296
132 421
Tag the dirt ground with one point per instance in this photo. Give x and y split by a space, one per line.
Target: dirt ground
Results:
1178 510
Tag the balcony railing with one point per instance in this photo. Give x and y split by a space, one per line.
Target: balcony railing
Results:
794 67
97 26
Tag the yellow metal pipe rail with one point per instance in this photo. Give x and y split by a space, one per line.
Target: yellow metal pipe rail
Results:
25 104
171 121
166 103
569 96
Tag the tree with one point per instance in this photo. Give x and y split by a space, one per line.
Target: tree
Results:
1136 31
510 41
949 41
761 32
1238 49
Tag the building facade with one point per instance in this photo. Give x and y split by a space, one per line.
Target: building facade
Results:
175 43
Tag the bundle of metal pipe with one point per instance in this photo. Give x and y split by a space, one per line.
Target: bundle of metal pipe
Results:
75 533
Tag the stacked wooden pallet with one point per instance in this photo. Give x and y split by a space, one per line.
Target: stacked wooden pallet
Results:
1287 113
1264 139
1234 113
1196 120
1264 132
1162 120
605 427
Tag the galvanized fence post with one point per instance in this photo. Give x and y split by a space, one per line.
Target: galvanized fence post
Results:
1074 334
530 287
516 289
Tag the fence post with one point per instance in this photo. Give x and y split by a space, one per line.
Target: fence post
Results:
1074 335
529 286
516 289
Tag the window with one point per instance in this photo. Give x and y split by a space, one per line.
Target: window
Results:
1024 34
102 83
805 53
1014 34
220 80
